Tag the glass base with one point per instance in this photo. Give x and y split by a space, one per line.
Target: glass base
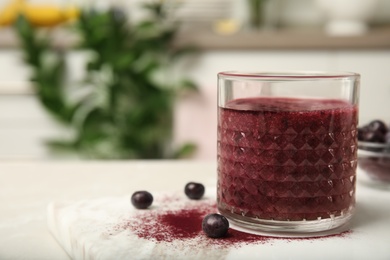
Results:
277 228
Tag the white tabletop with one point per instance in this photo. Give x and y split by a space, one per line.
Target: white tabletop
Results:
26 188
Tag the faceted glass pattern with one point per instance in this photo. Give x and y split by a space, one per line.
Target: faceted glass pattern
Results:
287 164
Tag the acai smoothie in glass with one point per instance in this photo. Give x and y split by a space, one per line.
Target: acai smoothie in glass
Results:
287 150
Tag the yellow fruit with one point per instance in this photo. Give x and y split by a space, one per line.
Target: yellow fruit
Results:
10 12
38 15
47 15
44 15
226 26
71 13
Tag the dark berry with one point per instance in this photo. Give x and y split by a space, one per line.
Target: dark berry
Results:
362 132
387 137
378 126
374 137
215 225
194 190
141 199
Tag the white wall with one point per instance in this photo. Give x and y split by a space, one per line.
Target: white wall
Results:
24 127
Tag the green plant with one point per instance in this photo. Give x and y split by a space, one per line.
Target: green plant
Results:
123 109
256 13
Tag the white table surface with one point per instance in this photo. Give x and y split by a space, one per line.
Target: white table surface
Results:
26 188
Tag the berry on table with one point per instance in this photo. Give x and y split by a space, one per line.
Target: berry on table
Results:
215 225
194 190
142 199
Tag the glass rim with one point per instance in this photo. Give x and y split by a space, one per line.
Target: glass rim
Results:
288 75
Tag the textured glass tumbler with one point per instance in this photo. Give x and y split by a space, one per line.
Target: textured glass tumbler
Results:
287 151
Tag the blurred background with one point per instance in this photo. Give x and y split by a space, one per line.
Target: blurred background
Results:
137 79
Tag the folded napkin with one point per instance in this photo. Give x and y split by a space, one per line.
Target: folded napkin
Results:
111 228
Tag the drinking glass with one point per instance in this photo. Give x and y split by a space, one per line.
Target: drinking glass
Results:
287 151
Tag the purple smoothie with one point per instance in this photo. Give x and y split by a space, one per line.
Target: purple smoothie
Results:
287 159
